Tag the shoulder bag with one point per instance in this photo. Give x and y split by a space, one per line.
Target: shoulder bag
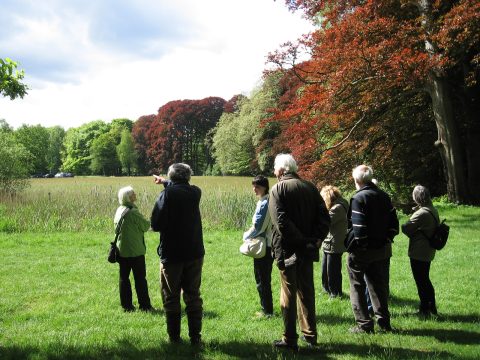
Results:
113 252
439 238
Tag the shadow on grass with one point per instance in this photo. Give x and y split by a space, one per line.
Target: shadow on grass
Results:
398 301
452 318
461 337
126 349
334 319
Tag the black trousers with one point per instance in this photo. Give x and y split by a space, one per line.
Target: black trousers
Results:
262 269
375 275
426 292
138 267
332 273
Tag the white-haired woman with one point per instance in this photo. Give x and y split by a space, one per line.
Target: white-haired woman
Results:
419 229
131 244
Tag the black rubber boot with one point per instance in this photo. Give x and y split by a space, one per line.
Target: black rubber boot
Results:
173 326
195 326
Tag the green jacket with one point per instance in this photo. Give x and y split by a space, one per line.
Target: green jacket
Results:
131 242
420 225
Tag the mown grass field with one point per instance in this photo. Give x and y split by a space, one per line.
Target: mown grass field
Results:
59 296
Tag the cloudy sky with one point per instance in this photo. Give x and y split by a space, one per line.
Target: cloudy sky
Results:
104 59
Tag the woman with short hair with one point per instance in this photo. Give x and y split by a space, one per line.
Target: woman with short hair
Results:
262 227
131 245
419 229
333 246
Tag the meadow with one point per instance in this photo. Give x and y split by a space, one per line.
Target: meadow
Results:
59 296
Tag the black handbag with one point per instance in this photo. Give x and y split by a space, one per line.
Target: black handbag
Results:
113 252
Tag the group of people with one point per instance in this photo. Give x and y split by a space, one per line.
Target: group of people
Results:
297 221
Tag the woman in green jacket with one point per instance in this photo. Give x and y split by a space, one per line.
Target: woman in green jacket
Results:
131 244
419 229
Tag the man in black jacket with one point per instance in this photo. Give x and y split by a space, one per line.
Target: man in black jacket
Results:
300 223
374 222
176 215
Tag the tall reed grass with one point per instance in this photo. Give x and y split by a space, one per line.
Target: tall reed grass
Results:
89 203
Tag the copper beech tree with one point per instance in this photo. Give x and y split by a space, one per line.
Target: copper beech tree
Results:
177 134
379 64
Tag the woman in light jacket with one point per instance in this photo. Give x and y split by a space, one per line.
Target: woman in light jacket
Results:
131 244
419 229
333 246
262 227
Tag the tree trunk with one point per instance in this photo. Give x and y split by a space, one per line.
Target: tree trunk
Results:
448 142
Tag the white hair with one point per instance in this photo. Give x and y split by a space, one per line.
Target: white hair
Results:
179 172
285 162
362 174
421 195
124 195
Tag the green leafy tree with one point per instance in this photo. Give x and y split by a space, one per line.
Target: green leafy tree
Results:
16 162
55 144
10 79
5 127
126 152
104 159
238 135
35 138
77 144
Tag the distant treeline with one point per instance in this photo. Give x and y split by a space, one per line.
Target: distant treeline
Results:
236 137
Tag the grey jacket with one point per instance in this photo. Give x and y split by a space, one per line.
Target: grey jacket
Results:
420 226
334 242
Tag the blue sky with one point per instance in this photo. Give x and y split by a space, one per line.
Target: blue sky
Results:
105 59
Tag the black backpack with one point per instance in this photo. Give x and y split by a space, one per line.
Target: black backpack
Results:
440 236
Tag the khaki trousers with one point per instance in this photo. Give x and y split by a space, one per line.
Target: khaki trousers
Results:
298 293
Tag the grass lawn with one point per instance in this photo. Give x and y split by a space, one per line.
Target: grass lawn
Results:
59 299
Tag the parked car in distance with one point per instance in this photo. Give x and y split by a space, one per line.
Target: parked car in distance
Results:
47 176
63 175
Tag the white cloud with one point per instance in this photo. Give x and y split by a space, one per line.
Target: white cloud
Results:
222 52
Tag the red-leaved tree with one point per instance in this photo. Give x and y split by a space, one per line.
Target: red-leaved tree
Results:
142 142
376 69
178 133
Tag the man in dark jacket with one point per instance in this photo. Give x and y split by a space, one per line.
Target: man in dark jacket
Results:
176 215
374 222
300 223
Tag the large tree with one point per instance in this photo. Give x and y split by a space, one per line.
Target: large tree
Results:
179 130
140 132
11 79
35 138
369 60
54 149
240 140
104 158
16 164
76 157
126 152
